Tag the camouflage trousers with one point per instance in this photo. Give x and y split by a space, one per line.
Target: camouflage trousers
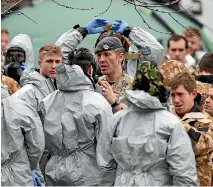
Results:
204 171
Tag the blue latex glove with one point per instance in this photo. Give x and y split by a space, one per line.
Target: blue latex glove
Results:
96 25
119 26
36 179
24 65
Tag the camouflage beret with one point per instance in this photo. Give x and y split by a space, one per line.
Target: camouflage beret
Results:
108 43
149 79
170 68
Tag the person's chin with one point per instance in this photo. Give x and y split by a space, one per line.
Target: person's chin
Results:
180 110
104 72
207 109
52 76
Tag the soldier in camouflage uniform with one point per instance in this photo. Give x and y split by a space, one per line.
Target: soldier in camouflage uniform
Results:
202 90
172 67
110 55
169 68
198 126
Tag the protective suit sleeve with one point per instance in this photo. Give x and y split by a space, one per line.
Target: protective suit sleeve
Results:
105 158
34 136
180 158
68 42
150 48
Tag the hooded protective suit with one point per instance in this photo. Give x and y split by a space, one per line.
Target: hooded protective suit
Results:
146 146
35 88
148 46
22 142
23 41
74 117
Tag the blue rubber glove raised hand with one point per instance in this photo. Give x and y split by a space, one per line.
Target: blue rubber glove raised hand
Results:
36 179
24 65
119 26
96 25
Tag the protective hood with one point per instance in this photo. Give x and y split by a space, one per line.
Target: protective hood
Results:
30 76
23 41
72 78
143 100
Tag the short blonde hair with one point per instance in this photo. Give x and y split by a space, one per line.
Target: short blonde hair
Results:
4 31
191 31
49 48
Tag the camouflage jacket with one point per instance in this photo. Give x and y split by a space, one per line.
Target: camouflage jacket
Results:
12 85
119 87
199 127
202 89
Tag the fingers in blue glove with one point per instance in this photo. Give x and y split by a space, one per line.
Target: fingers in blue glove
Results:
119 20
96 25
116 24
24 65
100 21
119 25
114 28
36 179
99 30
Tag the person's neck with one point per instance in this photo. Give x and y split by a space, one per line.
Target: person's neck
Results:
115 76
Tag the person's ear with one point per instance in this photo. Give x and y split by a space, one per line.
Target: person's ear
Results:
39 63
194 93
90 70
121 57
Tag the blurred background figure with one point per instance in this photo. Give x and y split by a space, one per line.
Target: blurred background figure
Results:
177 48
4 40
4 43
193 37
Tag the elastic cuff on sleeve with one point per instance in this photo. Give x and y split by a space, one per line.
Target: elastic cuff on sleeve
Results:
127 32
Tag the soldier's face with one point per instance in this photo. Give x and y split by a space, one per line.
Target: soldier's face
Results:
109 61
177 50
47 64
183 100
209 102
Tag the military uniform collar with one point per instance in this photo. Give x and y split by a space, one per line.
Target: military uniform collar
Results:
113 82
195 108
